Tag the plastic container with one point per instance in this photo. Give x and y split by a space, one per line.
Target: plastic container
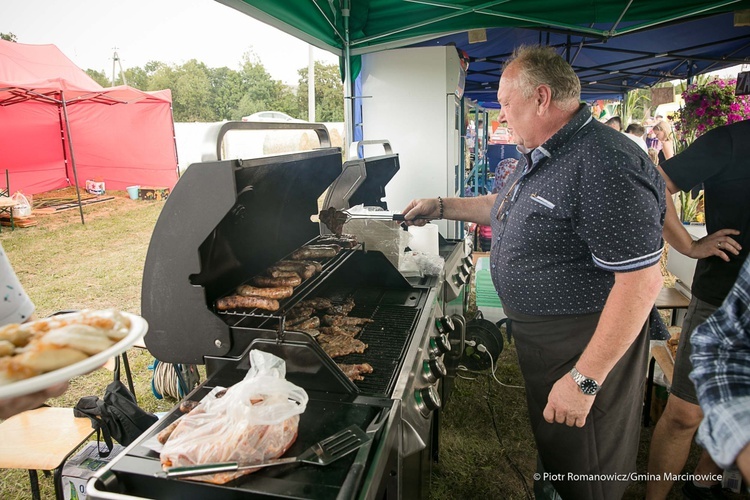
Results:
133 192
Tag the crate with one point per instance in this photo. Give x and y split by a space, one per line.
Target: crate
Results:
153 193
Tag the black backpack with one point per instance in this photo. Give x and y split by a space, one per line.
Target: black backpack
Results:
117 416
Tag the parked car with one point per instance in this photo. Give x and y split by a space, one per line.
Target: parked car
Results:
270 116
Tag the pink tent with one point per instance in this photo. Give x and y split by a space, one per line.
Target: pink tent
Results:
58 127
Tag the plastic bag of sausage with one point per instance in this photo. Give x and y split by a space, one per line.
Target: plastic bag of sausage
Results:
254 421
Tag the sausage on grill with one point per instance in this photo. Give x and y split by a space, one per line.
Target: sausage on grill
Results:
279 292
268 281
243 302
316 252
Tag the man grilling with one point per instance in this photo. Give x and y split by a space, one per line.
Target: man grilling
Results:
575 252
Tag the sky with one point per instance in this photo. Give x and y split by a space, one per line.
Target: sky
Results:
89 32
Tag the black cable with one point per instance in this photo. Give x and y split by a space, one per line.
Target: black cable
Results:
512 464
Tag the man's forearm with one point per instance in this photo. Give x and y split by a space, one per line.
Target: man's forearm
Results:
628 305
472 209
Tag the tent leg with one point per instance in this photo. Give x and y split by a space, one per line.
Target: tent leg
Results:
72 156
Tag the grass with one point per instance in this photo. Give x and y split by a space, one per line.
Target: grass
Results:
486 447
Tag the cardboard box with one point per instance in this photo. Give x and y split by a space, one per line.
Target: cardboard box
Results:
95 187
153 193
79 469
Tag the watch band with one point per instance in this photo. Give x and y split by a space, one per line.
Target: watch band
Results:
588 386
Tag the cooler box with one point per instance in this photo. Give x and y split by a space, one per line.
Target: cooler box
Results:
487 300
153 193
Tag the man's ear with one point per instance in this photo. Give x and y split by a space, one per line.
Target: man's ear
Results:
543 98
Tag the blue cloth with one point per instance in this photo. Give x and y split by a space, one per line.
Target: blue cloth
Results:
586 204
721 373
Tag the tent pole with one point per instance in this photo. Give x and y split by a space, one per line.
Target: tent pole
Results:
72 156
348 101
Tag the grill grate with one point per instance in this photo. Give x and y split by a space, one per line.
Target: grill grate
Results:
386 339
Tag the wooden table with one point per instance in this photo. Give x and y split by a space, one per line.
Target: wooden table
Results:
670 298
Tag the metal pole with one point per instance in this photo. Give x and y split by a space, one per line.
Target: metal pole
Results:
311 85
72 156
348 101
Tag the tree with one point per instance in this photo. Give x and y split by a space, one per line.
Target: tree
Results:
98 77
329 93
10 37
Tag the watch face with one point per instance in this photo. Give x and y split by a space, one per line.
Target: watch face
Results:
589 386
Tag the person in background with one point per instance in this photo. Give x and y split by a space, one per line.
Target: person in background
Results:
718 159
721 374
614 123
577 271
17 307
663 132
635 133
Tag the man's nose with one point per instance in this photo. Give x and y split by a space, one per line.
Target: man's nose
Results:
501 117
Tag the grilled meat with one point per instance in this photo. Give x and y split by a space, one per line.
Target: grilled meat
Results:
333 219
243 302
345 240
279 292
267 281
349 331
341 309
355 372
316 252
275 272
306 324
299 312
317 303
332 320
340 345
304 270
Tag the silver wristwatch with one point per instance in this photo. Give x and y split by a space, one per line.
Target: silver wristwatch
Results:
588 386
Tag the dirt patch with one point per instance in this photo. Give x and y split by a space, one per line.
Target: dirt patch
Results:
120 204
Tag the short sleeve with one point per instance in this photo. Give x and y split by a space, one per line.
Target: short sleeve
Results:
705 157
620 213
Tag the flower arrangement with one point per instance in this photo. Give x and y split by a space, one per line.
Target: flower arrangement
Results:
709 106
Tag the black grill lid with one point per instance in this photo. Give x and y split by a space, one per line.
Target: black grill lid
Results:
225 221
362 182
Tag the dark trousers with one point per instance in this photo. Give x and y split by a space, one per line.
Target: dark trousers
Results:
548 347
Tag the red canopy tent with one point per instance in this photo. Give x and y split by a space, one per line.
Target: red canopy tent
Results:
48 105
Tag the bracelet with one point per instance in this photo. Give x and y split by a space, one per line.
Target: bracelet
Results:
442 208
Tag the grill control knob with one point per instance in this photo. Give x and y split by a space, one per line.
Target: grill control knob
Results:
439 345
459 280
428 400
444 324
466 269
433 370
467 262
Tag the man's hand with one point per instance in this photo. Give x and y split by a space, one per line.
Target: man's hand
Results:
718 243
428 208
566 404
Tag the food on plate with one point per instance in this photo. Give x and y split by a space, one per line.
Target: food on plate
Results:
189 405
332 320
340 345
243 302
349 331
355 371
48 344
316 252
269 281
278 292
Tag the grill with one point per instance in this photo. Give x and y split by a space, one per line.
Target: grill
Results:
227 221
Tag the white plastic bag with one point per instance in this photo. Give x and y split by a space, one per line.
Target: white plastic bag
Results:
22 208
254 421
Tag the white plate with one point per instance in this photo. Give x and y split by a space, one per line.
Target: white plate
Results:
138 328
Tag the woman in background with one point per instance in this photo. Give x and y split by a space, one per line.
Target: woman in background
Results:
663 132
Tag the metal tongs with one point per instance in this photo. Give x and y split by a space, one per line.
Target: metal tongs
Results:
335 219
323 452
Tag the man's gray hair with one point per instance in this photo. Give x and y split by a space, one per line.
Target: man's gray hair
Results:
540 65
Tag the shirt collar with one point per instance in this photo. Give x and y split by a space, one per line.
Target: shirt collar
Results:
567 132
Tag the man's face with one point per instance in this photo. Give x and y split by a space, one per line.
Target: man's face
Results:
515 110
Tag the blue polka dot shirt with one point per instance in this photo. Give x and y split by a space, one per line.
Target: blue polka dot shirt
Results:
584 205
